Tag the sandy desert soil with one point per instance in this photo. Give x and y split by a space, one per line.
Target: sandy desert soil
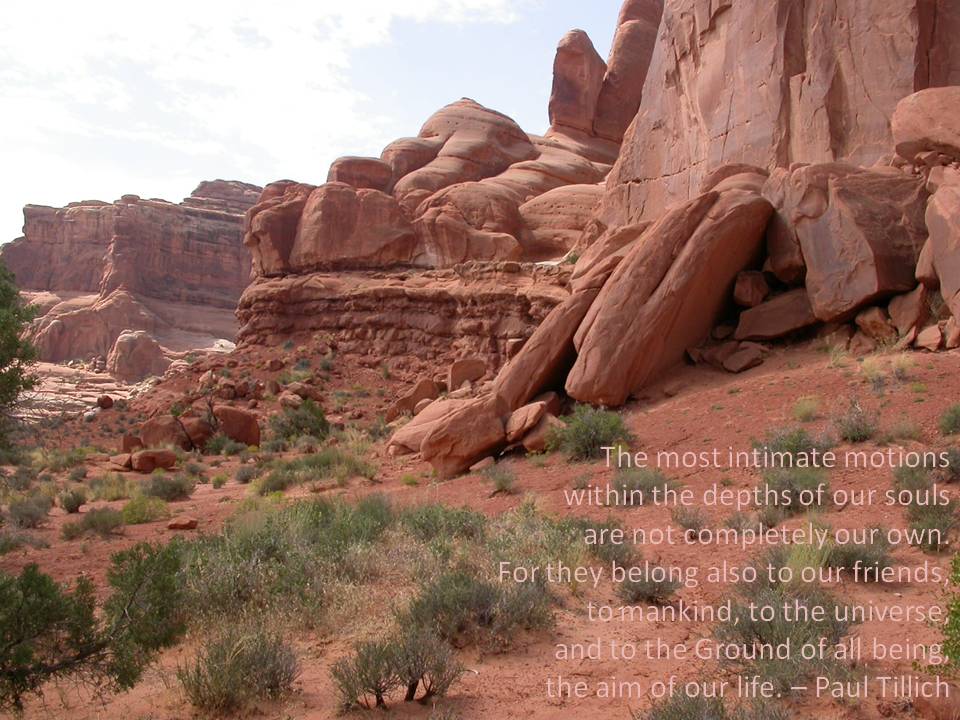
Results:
694 409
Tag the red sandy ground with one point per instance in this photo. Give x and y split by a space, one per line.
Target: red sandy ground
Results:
710 409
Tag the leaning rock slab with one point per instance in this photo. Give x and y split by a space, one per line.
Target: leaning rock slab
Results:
943 221
928 121
666 294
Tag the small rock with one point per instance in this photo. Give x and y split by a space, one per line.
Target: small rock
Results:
524 419
275 365
290 400
465 370
147 461
746 357
536 439
104 402
930 338
184 523
876 325
750 289
123 460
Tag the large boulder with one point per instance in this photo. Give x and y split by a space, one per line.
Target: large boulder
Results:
578 73
343 227
629 60
943 222
239 425
860 231
407 439
468 434
163 431
928 121
136 355
271 226
666 294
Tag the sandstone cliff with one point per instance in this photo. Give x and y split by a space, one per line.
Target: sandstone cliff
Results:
97 269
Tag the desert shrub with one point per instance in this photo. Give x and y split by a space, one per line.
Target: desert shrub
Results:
220 444
237 666
790 487
875 553
286 557
11 540
171 489
99 521
370 672
806 409
636 486
144 509
56 460
685 707
29 512
930 521
461 605
112 487
219 480
902 365
950 420
856 425
194 469
291 423
648 590
502 478
691 520
587 431
72 500
331 462
792 446
48 631
902 429
246 474
745 628
22 478
77 474
428 522
423 659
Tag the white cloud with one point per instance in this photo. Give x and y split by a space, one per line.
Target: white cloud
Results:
102 98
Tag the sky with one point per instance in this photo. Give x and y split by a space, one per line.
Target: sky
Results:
106 98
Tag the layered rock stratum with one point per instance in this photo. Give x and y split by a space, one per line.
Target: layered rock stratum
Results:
96 270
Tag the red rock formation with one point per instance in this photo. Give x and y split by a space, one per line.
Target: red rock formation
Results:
578 73
176 271
831 75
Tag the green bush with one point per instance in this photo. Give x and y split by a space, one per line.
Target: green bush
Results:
30 512
220 444
461 605
950 420
144 509
112 487
238 666
99 521
931 522
49 632
789 447
587 431
790 485
77 474
292 423
171 489
219 480
871 554
429 522
423 659
247 474
636 486
648 590
72 500
21 479
330 463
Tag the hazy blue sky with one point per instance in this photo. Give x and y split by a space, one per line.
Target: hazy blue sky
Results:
106 98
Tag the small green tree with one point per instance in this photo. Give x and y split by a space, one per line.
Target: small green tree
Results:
48 631
16 353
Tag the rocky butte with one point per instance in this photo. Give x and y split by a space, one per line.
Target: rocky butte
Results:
133 283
